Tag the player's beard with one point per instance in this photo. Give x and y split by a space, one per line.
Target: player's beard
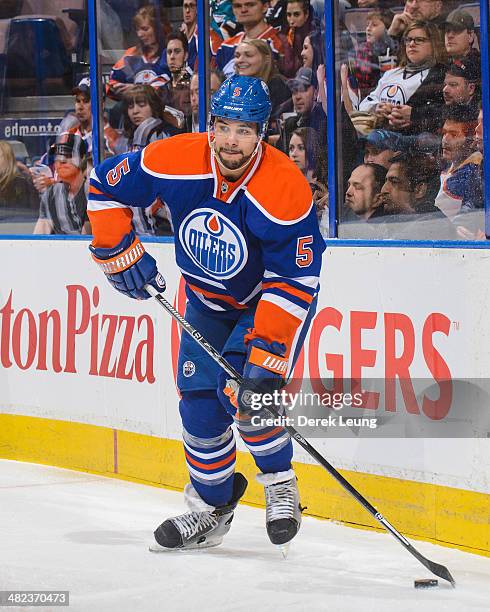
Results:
234 163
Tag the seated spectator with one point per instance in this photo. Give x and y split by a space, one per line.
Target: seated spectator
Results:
362 198
189 29
143 118
300 22
460 189
146 63
409 98
407 197
377 54
308 112
380 148
63 208
250 14
305 152
313 53
430 11
17 192
176 92
461 83
254 58
459 37
192 120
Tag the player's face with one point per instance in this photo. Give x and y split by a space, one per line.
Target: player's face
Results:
234 142
248 60
479 132
296 14
146 33
455 143
139 110
423 10
307 53
82 109
360 191
249 12
458 42
396 195
176 56
418 46
375 29
189 12
457 90
297 152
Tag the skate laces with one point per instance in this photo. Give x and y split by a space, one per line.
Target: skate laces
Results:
281 500
191 523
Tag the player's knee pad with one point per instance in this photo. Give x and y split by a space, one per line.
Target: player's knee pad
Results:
203 415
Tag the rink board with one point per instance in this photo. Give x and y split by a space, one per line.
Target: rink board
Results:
88 378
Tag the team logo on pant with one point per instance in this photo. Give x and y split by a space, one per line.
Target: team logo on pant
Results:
188 369
213 243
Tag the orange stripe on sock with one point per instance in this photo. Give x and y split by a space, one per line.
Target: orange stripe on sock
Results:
210 466
262 437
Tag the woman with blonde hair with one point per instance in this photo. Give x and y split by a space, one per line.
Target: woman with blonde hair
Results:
409 98
16 188
254 58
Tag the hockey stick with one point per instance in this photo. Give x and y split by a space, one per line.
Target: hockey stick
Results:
435 568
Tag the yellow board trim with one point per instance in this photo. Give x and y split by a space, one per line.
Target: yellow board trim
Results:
444 515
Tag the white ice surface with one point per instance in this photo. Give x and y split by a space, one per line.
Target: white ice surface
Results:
89 535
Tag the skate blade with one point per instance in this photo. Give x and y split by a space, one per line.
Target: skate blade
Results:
284 549
155 547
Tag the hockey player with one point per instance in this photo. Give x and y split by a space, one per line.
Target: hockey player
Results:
249 248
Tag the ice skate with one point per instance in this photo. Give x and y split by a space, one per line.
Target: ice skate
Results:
283 510
203 527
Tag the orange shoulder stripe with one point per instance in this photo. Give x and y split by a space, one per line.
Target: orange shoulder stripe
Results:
182 155
280 188
272 323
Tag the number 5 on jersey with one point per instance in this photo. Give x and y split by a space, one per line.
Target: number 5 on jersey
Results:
114 176
304 253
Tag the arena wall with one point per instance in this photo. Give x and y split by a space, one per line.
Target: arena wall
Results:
87 378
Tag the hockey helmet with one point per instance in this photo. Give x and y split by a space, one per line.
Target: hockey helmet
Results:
72 147
244 98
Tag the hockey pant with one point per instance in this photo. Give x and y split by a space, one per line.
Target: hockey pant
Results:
209 442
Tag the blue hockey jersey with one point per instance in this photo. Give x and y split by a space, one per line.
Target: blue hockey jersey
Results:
254 241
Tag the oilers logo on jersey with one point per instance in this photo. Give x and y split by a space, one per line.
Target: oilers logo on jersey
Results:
213 242
393 94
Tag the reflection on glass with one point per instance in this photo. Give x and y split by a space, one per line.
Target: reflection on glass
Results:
410 84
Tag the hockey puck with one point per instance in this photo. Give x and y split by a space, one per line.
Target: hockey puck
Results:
425 583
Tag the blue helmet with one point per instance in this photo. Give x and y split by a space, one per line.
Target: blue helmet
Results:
244 98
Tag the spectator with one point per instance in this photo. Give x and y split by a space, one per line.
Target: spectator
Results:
254 58
145 63
313 54
176 92
300 22
250 14
143 118
309 113
362 198
189 29
430 11
380 148
305 152
63 208
17 191
192 120
461 83
460 189
460 36
409 98
407 197
377 54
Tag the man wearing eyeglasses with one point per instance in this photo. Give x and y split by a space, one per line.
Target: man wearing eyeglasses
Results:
417 10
